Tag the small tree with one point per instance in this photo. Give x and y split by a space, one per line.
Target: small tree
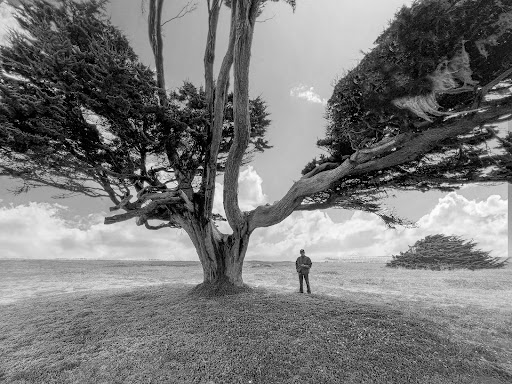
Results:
79 112
438 252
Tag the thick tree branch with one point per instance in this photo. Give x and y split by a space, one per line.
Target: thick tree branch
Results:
313 207
209 54
215 132
363 154
108 188
385 145
423 142
157 227
320 168
122 203
144 213
318 181
485 89
147 203
385 154
246 14
155 39
265 216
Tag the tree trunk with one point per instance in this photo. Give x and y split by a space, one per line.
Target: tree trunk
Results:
222 256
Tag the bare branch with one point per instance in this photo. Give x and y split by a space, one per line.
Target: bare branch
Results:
265 20
187 8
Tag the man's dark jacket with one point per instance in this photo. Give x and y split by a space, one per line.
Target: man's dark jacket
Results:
303 260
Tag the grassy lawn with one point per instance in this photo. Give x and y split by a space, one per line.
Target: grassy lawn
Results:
362 324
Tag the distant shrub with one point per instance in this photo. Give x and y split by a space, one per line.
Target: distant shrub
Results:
440 252
261 265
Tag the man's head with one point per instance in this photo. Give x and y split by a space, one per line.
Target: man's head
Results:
302 253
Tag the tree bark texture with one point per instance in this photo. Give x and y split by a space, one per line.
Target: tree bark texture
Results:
245 18
222 256
155 38
216 105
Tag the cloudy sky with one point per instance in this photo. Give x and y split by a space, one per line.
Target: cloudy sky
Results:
295 61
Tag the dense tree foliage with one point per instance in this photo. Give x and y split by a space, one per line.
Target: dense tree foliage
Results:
439 66
78 107
438 49
440 252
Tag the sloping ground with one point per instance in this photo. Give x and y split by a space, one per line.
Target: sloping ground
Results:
164 334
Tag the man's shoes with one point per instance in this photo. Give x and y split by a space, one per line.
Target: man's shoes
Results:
301 291
309 291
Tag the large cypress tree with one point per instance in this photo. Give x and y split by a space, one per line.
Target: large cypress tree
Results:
79 112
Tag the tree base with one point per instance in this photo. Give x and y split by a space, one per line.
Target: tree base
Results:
221 287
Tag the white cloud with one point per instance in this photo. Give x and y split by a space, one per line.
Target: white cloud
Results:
307 93
320 236
38 230
365 235
250 189
485 222
250 193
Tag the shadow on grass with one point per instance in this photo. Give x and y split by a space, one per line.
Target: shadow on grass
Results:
166 334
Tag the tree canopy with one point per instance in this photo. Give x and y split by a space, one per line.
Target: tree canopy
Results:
80 112
79 109
436 85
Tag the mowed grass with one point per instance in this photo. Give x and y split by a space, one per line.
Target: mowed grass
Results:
362 324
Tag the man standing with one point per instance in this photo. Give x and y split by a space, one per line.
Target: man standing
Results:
302 265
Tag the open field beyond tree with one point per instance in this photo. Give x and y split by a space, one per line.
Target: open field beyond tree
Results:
136 322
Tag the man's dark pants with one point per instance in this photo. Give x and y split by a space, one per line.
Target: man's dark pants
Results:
304 276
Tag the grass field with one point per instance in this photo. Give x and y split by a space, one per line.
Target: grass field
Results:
136 322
